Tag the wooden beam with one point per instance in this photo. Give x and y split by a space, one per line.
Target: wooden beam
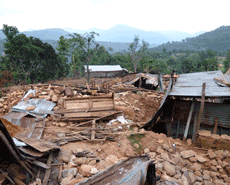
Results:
188 121
178 127
194 126
201 110
215 126
93 130
48 171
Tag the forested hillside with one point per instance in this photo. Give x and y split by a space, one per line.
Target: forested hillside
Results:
217 40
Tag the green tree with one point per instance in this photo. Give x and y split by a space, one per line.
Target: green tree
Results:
227 61
137 51
87 45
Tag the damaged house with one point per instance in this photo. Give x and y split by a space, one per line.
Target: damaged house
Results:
193 102
99 71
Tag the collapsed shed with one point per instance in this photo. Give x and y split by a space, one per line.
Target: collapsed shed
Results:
195 101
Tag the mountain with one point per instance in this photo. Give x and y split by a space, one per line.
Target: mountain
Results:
174 35
47 34
217 40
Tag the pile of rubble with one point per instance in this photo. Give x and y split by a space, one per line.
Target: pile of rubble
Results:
182 163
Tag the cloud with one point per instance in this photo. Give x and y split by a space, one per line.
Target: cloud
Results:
189 16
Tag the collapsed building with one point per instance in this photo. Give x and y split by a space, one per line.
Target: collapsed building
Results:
193 102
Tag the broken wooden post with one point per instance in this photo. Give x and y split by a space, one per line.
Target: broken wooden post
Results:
140 82
171 120
188 121
48 171
194 126
178 127
93 130
201 110
215 126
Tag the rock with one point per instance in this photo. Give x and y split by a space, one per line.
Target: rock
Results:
111 159
160 141
57 91
197 173
92 162
62 124
165 156
60 101
214 162
165 147
54 98
206 133
201 159
169 168
160 150
218 182
193 159
208 183
80 160
77 150
1 105
211 154
152 155
224 164
66 172
93 171
178 176
189 142
213 168
85 170
215 136
135 145
74 181
187 154
195 167
30 108
220 154
190 177
146 150
67 179
65 158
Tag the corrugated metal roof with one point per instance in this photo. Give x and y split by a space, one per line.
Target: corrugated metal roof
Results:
41 104
190 85
94 68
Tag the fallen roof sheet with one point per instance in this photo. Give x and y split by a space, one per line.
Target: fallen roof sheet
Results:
190 85
224 80
130 171
103 68
41 104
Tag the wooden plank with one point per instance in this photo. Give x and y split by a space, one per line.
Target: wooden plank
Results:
188 121
88 114
84 110
48 171
40 164
88 97
215 126
93 130
42 146
102 118
201 110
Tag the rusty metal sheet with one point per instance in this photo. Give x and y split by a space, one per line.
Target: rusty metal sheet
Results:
32 128
190 85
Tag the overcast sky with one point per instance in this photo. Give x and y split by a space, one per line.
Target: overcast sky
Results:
150 15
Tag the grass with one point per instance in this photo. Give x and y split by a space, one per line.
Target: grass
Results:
135 138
